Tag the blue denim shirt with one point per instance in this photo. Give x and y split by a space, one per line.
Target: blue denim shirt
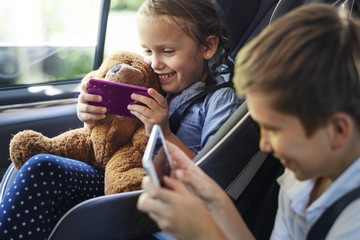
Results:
203 118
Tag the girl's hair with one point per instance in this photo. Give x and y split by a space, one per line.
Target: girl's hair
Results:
309 61
202 19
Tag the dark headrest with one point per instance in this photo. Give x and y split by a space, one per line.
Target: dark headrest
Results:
238 15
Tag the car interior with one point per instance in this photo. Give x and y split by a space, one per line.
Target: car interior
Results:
232 157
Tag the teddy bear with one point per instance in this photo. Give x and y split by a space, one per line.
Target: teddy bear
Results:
115 144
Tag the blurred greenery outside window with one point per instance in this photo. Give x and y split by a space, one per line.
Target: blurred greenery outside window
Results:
121 29
45 41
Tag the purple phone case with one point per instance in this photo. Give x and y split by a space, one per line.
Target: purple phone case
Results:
116 96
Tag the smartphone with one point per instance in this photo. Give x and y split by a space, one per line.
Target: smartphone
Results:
156 160
116 96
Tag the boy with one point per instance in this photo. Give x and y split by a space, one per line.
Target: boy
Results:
301 78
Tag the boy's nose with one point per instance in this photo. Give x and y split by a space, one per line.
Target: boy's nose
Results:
265 144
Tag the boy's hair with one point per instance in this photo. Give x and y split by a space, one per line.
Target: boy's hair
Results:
201 17
309 62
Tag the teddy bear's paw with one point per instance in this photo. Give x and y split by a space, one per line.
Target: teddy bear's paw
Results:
26 144
124 182
140 139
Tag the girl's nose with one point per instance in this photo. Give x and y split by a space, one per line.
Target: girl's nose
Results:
156 62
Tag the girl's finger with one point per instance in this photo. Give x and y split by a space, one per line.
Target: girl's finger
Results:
84 86
156 102
90 109
142 99
141 110
158 97
85 97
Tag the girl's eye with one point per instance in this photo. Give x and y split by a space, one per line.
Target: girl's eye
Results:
169 51
147 52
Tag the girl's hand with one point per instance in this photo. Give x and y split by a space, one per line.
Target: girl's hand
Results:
89 114
177 211
155 111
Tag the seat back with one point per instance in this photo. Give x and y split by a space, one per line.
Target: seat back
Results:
262 18
107 217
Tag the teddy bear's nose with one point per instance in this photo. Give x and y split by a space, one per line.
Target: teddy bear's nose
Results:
116 68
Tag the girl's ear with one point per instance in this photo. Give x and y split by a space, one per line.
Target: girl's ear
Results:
340 128
211 47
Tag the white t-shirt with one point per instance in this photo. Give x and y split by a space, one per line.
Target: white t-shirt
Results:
294 219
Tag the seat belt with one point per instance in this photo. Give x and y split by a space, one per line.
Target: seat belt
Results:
235 189
322 226
175 117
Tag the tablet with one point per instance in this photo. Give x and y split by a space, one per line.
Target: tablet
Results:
156 160
116 96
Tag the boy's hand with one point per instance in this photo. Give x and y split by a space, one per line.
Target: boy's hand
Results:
195 179
190 193
89 114
155 111
177 211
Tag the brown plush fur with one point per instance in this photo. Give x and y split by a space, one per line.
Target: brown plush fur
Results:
115 144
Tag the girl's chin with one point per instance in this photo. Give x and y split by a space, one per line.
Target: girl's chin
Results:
169 90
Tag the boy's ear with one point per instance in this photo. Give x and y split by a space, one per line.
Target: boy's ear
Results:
211 47
340 127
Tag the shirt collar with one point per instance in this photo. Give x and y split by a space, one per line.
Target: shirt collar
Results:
347 181
188 93
299 191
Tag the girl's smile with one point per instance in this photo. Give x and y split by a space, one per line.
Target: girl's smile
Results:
165 77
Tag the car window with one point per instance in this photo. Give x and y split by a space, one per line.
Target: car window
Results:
45 41
121 31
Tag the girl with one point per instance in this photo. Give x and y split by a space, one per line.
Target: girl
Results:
183 41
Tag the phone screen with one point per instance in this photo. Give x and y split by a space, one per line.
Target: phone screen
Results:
161 161
156 160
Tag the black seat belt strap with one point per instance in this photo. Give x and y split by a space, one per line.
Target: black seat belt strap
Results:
236 188
177 114
322 226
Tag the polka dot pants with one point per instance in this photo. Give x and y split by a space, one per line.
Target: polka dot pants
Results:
44 189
